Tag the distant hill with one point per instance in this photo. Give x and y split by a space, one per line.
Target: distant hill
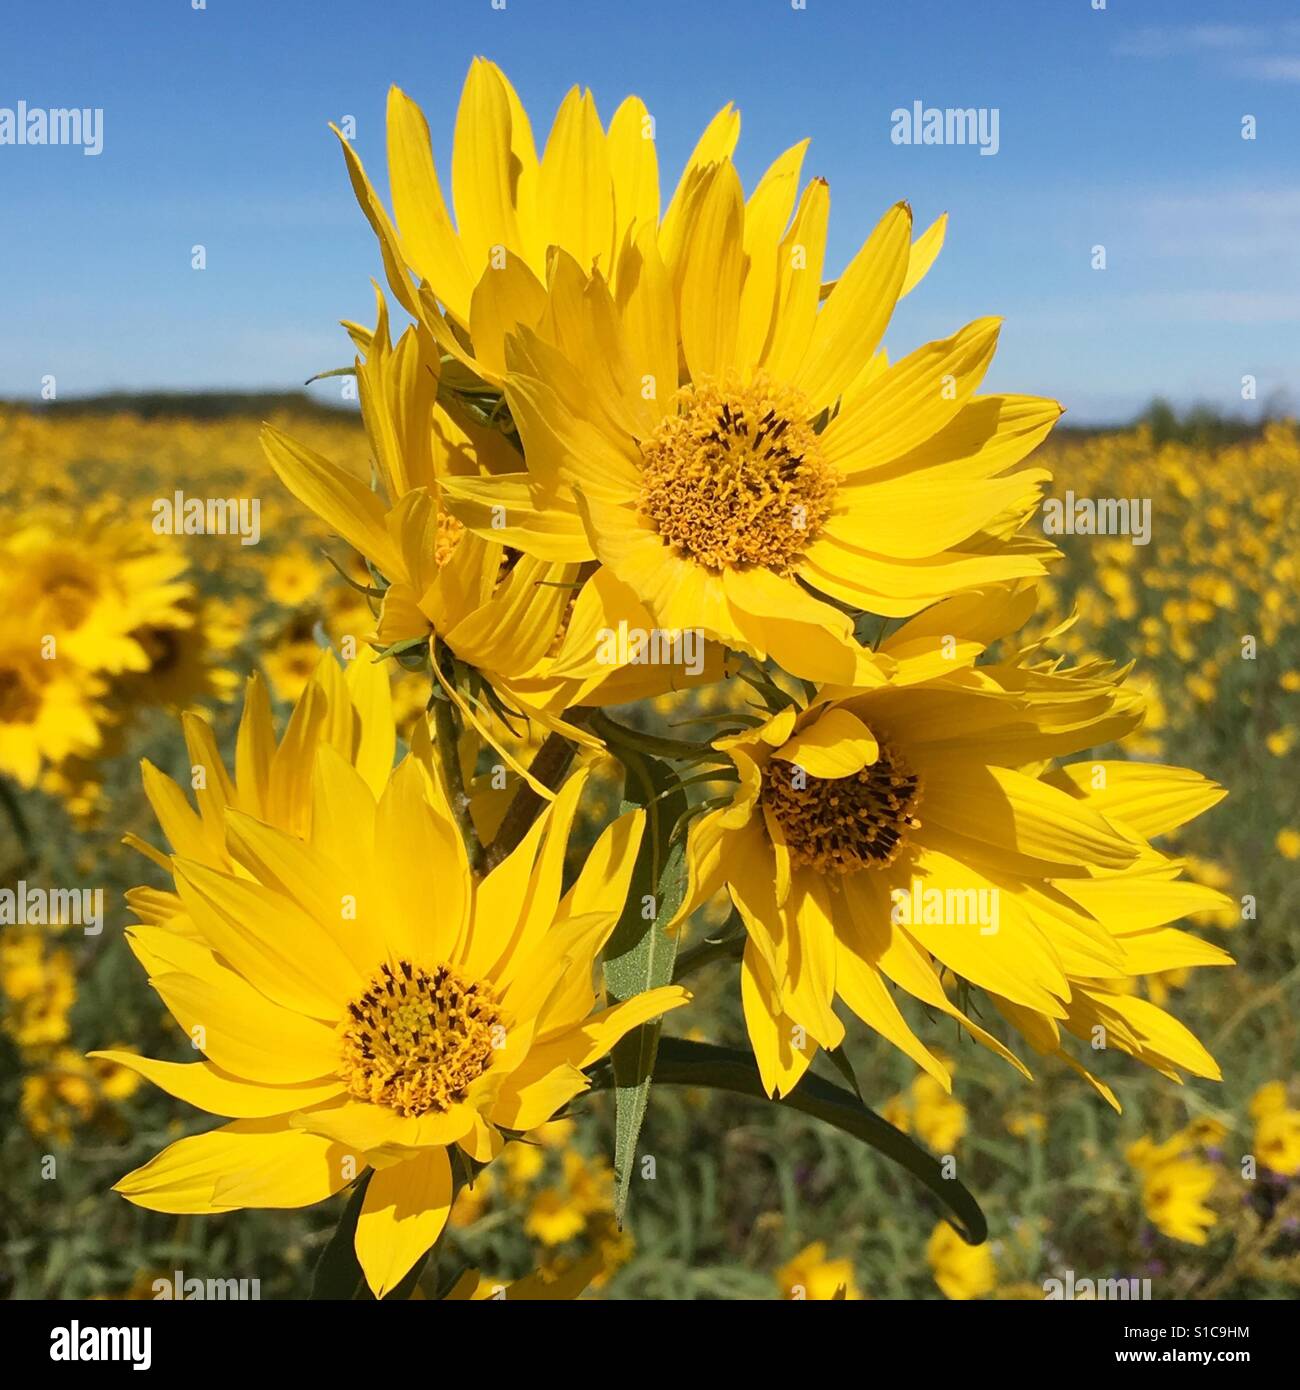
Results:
194 405
1198 425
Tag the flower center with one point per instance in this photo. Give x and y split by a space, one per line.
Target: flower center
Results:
842 824
416 1039
68 599
19 701
736 477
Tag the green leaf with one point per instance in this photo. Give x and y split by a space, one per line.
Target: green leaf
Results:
338 1273
622 739
640 953
683 1063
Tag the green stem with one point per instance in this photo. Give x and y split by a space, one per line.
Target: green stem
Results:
549 766
679 750
9 800
448 736
707 952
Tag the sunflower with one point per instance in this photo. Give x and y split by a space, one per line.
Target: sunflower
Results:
811 1275
529 626
899 834
1175 1183
589 190
741 459
361 1001
49 710
294 577
188 661
91 592
350 710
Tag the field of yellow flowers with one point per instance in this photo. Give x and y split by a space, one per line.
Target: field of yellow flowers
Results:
1194 1186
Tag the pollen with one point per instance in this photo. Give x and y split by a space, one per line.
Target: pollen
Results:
450 530
415 1040
838 825
736 477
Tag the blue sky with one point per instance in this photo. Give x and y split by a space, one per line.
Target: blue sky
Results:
1119 127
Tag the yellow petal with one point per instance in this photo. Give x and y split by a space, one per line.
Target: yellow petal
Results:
712 269
428 238
911 401
245 1034
483 168
924 251
340 500
209 1088
634 167
259 1163
799 271
852 322
837 744
404 1211
766 214
575 188
269 940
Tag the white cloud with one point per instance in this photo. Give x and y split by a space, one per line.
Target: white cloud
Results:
1268 51
1271 69
1244 223
1155 42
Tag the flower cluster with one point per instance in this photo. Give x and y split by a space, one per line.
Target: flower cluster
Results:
631 454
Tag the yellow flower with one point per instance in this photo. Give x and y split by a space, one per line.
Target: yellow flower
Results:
1277 1130
69 1090
585 195
590 1182
898 1112
810 1275
554 1217
90 591
1288 842
39 985
49 710
792 457
472 1201
290 663
1175 1184
188 663
962 1271
873 838
523 1164
1281 741
531 627
542 1285
940 1118
555 1135
293 577
344 1025
1270 1099
1024 1123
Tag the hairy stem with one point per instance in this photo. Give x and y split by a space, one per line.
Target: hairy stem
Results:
444 725
549 766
